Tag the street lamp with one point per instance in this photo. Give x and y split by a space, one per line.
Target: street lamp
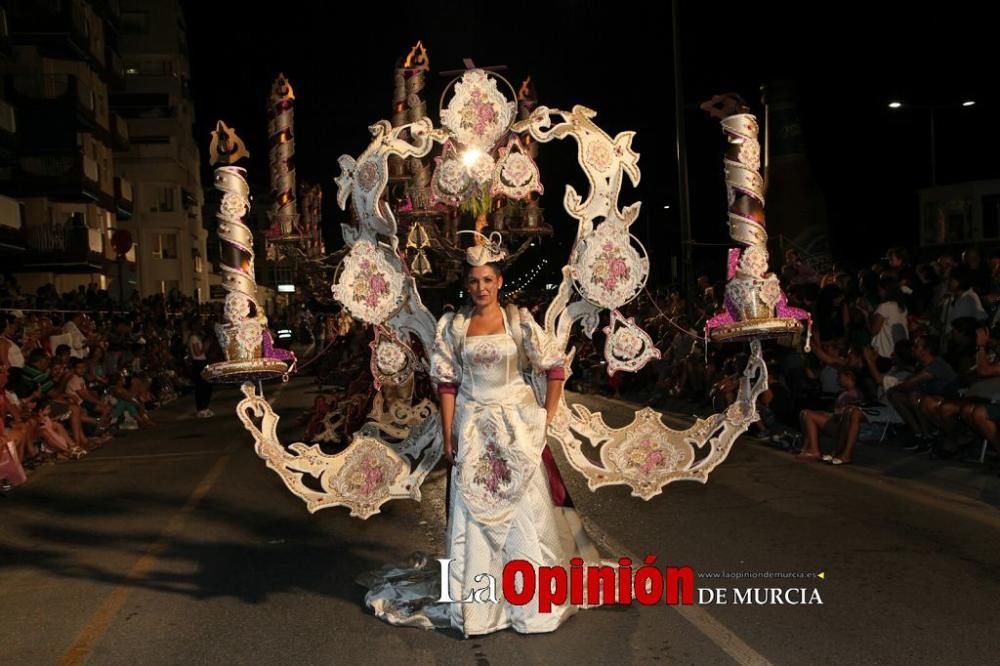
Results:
932 109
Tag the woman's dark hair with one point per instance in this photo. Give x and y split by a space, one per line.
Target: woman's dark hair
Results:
900 253
890 285
36 355
496 266
963 276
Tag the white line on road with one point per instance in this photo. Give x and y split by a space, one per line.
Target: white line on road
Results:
723 637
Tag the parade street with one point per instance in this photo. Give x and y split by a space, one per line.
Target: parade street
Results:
178 545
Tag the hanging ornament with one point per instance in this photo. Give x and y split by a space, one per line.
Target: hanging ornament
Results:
420 265
627 347
392 362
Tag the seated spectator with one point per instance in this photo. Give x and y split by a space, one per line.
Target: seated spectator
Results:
844 423
934 376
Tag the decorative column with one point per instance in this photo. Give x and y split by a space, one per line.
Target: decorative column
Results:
755 305
415 69
243 333
311 198
281 109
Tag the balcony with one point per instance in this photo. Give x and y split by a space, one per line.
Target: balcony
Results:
166 150
11 234
67 247
114 69
52 99
66 177
119 133
124 203
58 27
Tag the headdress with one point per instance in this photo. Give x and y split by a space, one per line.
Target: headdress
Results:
486 250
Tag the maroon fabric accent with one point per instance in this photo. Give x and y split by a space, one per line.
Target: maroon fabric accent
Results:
557 372
556 486
447 388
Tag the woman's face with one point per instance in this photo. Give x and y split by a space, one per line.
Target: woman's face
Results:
483 285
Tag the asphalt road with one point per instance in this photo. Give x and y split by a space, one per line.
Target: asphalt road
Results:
177 545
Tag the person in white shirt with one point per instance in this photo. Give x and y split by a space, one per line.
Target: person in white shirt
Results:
79 347
196 347
962 302
888 324
9 351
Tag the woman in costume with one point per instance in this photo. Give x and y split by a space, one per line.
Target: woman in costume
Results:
494 426
507 501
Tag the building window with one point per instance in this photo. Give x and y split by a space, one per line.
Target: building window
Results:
165 246
167 285
947 222
164 199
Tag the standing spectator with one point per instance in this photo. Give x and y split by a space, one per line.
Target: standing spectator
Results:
888 323
196 347
962 301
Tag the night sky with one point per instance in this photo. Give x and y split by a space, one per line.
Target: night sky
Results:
847 60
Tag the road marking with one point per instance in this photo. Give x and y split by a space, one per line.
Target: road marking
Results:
722 636
102 618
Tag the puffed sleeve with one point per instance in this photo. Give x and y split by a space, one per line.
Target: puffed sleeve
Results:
446 370
542 351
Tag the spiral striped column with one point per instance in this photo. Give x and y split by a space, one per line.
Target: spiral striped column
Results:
284 213
244 328
235 238
755 305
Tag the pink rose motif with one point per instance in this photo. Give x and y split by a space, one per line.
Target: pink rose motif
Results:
373 476
619 268
653 459
493 471
376 283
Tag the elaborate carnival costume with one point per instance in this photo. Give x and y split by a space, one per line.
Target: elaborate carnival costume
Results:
501 505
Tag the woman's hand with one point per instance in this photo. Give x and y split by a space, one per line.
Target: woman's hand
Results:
449 450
